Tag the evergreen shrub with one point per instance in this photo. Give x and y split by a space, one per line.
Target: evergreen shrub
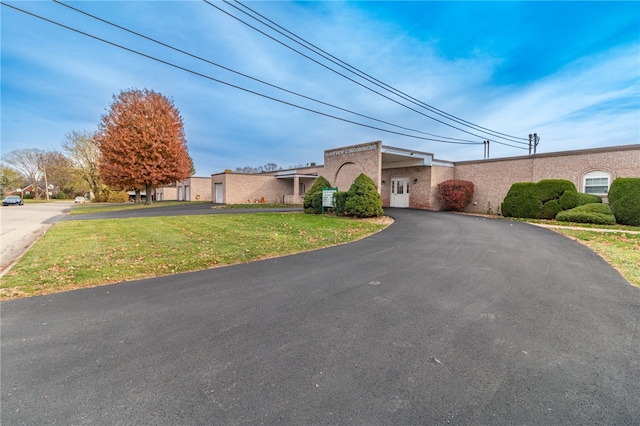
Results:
340 200
363 199
596 213
550 209
571 199
454 194
552 189
624 198
522 200
60 196
313 198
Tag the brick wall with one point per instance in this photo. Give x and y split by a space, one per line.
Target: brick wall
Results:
419 192
194 189
239 188
493 178
343 165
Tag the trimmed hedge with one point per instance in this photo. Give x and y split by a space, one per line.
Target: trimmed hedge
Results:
454 194
624 198
596 213
550 209
544 199
363 199
572 199
313 198
552 189
522 200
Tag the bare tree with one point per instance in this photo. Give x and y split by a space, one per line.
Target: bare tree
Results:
27 162
83 153
10 179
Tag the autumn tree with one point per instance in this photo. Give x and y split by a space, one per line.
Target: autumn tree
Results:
83 153
142 143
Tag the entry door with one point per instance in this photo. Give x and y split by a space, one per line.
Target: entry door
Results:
400 192
219 193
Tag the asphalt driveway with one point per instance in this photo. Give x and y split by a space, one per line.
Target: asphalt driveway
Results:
440 319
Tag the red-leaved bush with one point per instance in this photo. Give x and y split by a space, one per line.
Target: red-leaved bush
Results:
454 194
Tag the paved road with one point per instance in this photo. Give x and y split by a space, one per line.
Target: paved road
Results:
439 319
22 225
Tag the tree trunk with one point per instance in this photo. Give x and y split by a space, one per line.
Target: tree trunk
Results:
138 197
148 189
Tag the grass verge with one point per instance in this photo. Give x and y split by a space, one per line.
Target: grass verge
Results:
620 249
90 208
256 206
76 254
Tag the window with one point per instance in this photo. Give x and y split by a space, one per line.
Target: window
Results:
596 183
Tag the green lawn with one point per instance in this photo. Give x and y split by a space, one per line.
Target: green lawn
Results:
90 208
75 254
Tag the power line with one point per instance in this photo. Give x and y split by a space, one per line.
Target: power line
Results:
248 76
352 80
317 50
226 83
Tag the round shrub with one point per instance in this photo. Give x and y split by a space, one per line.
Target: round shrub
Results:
550 209
569 200
624 198
313 198
596 213
454 194
522 200
363 199
552 189
61 196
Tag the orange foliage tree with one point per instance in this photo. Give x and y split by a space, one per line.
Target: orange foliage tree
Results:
142 142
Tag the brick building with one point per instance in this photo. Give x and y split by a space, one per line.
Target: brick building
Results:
407 178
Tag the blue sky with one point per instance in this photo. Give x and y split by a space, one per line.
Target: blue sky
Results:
569 71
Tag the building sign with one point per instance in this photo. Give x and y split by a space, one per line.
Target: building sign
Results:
350 150
327 197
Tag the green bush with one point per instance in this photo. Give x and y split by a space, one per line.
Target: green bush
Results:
522 200
588 199
60 196
313 198
572 199
569 200
552 189
550 209
596 213
624 198
339 201
363 199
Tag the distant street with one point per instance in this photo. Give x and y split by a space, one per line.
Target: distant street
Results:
439 319
23 225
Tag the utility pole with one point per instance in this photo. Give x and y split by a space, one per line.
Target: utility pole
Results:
534 140
486 149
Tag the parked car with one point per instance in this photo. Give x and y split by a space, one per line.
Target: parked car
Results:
80 200
12 199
